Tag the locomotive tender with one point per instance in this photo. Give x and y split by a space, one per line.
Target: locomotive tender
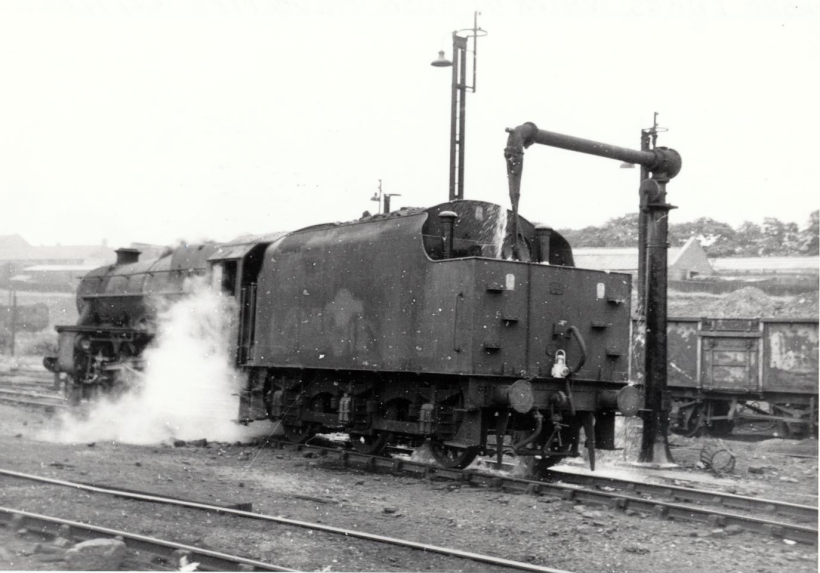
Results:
460 325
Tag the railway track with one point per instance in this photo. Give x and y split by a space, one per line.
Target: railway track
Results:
207 560
32 399
246 513
28 375
710 508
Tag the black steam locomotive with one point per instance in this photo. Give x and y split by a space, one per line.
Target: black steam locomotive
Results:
449 325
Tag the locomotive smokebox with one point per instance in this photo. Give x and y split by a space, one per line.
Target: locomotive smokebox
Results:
127 256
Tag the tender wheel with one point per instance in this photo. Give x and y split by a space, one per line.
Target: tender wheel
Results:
453 457
570 433
369 444
544 462
299 434
372 444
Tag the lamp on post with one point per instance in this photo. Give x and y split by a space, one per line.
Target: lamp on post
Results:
458 101
378 198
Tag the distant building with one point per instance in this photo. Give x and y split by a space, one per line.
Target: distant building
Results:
684 262
55 267
766 265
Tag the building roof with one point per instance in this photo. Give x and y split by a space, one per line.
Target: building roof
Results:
13 242
25 252
765 263
621 259
688 257
60 268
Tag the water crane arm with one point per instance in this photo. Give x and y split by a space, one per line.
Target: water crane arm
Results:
658 160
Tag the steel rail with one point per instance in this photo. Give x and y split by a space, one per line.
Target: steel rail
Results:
801 512
27 394
488 559
9 397
213 560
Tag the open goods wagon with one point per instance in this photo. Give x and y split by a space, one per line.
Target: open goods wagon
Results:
722 370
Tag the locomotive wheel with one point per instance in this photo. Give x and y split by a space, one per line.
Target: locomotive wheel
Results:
452 457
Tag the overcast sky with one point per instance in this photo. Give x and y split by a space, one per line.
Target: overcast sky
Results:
155 121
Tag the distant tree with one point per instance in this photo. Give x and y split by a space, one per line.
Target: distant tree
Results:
779 238
773 238
748 238
620 231
807 241
716 238
616 232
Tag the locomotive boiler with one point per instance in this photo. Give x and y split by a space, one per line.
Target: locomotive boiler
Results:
456 325
117 306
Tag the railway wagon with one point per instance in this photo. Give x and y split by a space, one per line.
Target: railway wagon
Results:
723 370
439 325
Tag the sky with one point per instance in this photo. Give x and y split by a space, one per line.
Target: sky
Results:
160 121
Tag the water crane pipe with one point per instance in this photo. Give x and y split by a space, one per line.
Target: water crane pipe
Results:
664 164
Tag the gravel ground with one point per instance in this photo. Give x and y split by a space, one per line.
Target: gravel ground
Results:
542 530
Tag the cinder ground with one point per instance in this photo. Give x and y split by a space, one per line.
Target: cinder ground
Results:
541 530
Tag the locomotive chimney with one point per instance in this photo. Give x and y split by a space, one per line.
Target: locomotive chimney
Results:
448 221
127 256
543 233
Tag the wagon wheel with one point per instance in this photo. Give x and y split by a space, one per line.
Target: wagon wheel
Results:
299 434
453 457
792 431
692 423
374 443
719 428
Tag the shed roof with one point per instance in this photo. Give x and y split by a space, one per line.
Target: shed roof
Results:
621 259
765 263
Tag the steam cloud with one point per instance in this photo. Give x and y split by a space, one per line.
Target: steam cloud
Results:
189 389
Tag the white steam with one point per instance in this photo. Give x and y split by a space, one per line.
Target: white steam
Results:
189 388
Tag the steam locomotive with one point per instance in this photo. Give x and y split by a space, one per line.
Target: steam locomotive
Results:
462 325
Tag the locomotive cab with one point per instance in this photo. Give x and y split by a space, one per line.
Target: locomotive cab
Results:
478 229
234 270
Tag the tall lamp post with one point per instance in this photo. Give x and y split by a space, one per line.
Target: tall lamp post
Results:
458 105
